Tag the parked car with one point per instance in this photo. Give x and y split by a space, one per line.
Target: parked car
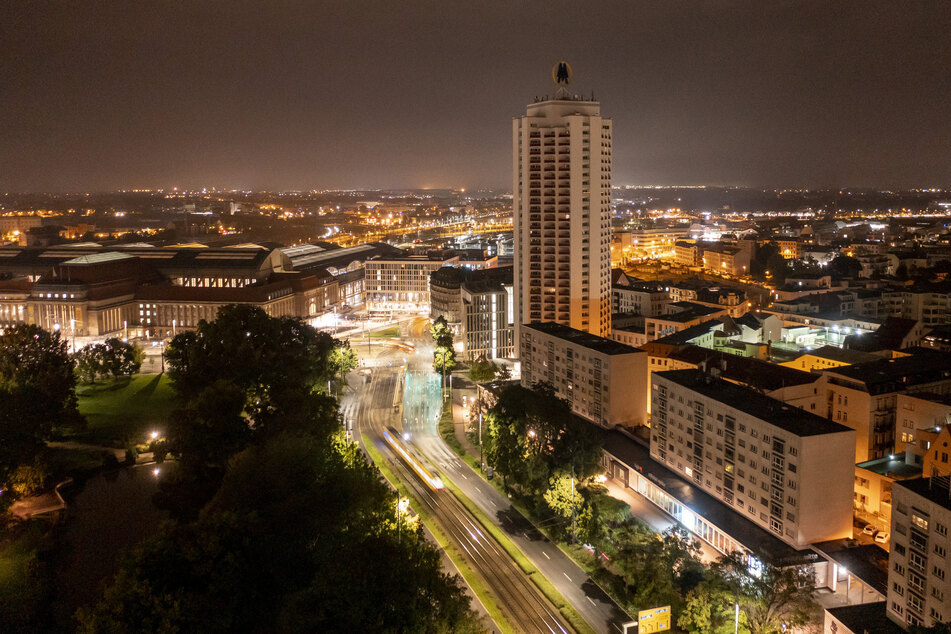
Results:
869 530
881 538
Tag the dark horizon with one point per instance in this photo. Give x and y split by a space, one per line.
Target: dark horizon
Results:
297 96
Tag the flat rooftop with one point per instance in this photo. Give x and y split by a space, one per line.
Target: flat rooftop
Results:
866 618
932 489
582 338
749 401
893 375
896 468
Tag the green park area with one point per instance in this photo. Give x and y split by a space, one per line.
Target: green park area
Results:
123 411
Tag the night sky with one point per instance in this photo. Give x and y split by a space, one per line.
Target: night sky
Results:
300 95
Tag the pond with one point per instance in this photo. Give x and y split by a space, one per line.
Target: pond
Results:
108 513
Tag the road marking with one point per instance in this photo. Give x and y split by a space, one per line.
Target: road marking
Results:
546 555
567 577
463 476
592 602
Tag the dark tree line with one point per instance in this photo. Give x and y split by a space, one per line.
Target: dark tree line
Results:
281 525
37 398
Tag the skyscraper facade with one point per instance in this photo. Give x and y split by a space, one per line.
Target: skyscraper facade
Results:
561 188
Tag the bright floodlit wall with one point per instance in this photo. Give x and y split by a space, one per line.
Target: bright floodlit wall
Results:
605 381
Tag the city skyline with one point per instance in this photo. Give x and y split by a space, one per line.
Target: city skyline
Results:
296 97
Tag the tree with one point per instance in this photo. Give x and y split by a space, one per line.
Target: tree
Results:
260 553
565 501
771 596
114 357
533 437
37 390
89 363
243 378
444 356
342 360
121 358
709 609
481 371
844 266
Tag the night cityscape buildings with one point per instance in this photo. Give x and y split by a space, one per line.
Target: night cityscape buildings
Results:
287 296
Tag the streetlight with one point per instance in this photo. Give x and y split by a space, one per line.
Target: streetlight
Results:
401 506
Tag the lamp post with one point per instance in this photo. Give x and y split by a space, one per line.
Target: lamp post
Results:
401 507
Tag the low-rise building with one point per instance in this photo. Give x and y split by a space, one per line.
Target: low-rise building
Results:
604 381
633 296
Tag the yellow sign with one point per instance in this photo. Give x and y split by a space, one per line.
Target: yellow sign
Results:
654 620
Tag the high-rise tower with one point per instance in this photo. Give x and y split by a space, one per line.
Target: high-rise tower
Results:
561 154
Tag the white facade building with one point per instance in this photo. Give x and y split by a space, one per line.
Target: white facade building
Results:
605 381
401 284
919 578
562 211
785 469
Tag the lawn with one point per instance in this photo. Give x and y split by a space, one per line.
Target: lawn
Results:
124 411
25 577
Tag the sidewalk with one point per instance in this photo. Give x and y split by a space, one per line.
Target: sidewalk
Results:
459 416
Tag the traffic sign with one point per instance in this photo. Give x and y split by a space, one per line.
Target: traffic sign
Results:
653 620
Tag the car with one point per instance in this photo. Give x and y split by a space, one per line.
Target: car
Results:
881 538
869 530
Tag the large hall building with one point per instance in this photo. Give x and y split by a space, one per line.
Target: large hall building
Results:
90 290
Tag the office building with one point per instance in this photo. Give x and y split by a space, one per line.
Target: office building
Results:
919 580
400 284
605 381
562 211
785 469
477 305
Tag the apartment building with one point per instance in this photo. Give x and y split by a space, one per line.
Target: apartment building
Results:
561 183
638 244
919 578
864 396
605 381
688 253
478 306
631 296
728 259
783 468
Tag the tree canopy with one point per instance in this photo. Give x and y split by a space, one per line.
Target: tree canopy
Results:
272 500
37 390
